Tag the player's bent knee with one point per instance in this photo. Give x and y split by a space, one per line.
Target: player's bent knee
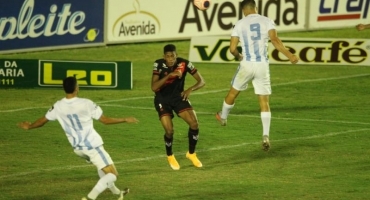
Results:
194 125
168 129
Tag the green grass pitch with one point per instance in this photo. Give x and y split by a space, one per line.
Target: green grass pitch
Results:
319 134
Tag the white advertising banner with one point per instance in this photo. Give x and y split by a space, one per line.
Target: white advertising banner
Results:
338 13
333 51
149 20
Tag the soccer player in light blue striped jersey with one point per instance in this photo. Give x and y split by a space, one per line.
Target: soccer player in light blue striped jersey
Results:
253 32
76 115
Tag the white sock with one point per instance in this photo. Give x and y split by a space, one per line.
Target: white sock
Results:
101 173
112 187
226 108
101 185
266 121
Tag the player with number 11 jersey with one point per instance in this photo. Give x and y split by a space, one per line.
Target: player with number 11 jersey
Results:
76 118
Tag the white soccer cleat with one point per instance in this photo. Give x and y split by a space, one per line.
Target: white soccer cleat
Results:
223 122
123 193
266 143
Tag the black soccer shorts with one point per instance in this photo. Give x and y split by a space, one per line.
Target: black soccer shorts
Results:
166 106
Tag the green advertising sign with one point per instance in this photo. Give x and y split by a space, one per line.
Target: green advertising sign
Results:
50 73
18 73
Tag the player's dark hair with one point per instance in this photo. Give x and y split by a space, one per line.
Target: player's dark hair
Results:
69 84
169 48
250 3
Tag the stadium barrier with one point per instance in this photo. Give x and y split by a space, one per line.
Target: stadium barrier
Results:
35 25
312 51
30 25
30 73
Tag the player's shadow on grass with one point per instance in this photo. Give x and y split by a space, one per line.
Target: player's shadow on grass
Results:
280 149
254 153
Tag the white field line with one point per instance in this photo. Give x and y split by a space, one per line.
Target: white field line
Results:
69 167
240 115
22 109
204 92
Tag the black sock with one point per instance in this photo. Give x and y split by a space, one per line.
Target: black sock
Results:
193 139
168 144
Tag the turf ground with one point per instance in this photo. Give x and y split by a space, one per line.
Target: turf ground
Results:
319 134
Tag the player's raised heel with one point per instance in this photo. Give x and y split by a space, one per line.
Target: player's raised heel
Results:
223 122
173 162
123 193
194 159
266 143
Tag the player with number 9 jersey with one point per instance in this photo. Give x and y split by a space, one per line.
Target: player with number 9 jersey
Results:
252 32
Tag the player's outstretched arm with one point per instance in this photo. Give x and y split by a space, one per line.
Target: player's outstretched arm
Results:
109 120
275 40
38 123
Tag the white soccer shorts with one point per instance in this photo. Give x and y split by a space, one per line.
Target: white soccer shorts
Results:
97 156
257 72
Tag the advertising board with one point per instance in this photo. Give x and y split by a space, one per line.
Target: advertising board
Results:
29 73
27 25
331 51
148 20
337 13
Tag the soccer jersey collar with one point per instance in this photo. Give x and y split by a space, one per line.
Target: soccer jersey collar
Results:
70 100
252 15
